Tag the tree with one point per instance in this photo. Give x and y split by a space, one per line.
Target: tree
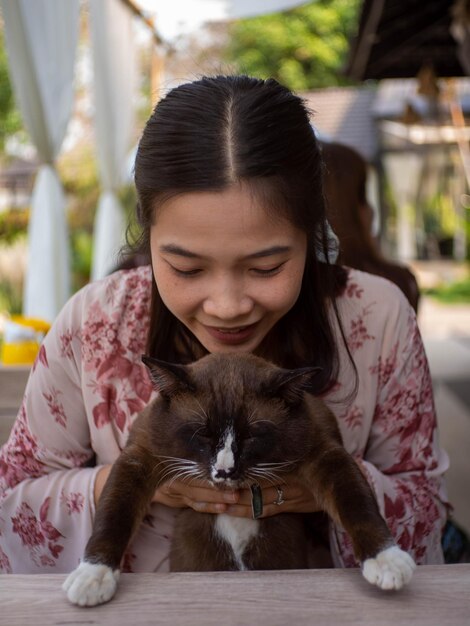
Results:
10 120
304 48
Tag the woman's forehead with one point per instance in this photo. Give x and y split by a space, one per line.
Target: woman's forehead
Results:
232 213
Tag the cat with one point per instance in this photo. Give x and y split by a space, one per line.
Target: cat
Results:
232 420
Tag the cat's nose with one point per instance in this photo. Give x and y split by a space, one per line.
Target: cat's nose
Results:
222 474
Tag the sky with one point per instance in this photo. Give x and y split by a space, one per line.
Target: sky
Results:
178 17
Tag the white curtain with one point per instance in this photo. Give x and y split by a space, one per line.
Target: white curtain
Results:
114 87
41 40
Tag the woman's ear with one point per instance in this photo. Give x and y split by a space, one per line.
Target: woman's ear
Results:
168 378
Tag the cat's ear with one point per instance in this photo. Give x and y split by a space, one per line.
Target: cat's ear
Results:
290 385
168 378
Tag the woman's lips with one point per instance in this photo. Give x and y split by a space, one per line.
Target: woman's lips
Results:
232 336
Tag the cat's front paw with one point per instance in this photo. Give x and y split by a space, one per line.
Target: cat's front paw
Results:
390 569
91 584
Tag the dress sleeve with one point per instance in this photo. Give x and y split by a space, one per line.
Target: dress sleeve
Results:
46 488
402 458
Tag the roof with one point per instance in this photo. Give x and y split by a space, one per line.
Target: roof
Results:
344 114
350 115
396 38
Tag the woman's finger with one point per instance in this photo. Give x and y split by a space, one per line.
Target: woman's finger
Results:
189 494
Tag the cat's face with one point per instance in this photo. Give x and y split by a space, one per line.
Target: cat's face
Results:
230 419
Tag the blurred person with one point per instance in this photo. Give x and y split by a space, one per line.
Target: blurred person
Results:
351 217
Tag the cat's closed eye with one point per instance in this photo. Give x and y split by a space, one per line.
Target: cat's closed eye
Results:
261 429
202 433
191 432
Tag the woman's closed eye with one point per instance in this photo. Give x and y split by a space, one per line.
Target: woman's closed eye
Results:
186 273
268 271
259 271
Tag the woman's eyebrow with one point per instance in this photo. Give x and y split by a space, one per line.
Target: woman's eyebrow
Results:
172 248
269 252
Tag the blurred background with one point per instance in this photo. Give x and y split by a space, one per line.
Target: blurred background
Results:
390 79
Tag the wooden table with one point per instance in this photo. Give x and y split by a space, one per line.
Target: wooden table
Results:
438 595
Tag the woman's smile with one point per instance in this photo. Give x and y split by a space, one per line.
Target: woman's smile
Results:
232 336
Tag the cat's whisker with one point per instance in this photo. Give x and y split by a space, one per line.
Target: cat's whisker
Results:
202 409
278 464
185 476
196 432
256 477
175 469
175 458
170 467
190 478
273 479
200 415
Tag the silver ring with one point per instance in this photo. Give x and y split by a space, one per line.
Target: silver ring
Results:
280 497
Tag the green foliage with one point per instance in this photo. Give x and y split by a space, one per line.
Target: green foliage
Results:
439 215
10 121
81 246
454 293
11 297
13 224
304 48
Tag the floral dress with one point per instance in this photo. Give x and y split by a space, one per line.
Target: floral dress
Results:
88 384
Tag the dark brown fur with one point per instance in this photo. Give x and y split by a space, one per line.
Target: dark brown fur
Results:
195 405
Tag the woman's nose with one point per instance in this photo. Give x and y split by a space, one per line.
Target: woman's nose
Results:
228 301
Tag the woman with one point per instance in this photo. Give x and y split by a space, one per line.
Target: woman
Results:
351 216
230 201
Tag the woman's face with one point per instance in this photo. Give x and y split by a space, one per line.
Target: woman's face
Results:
224 268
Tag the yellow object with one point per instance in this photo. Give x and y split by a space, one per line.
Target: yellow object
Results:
22 339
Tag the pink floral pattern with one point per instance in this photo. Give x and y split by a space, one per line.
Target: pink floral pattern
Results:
359 334
353 290
41 358
20 459
66 343
5 566
353 417
73 502
38 535
55 406
89 383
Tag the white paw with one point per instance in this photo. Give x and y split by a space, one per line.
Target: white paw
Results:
91 584
390 569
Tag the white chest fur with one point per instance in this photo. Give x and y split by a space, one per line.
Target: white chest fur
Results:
237 532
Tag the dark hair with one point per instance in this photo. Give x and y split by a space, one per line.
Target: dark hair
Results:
219 131
345 190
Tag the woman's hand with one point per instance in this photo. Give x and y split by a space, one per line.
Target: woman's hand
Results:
205 498
294 496
198 495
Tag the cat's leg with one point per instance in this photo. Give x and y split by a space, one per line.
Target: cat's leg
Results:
390 569
347 497
120 510
91 584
